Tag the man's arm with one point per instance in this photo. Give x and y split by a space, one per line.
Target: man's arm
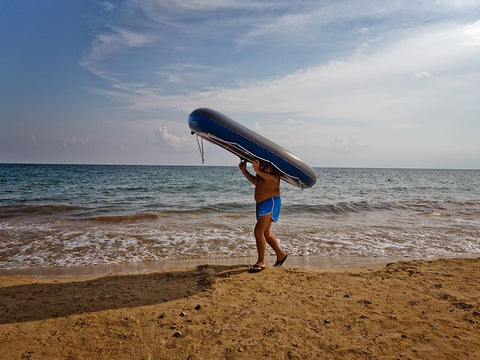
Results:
246 173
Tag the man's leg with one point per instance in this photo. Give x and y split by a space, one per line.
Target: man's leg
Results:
261 227
272 241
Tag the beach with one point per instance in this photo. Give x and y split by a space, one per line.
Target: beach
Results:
402 310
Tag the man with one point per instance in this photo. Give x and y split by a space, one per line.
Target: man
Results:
267 197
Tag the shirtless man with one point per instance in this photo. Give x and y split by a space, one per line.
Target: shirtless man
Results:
267 197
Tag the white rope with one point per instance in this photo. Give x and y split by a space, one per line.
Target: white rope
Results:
200 148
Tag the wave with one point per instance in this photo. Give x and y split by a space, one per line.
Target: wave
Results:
338 208
446 205
221 209
133 213
419 205
112 214
124 218
19 210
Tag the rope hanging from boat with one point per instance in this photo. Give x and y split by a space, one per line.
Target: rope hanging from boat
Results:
200 148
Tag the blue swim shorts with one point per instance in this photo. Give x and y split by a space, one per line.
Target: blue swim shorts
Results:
270 206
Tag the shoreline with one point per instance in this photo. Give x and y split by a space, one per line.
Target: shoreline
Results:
142 267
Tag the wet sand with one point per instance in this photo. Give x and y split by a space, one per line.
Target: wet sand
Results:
403 310
155 266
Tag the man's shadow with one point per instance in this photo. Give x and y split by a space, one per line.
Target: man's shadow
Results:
39 301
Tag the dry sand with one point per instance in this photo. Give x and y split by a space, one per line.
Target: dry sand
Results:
405 310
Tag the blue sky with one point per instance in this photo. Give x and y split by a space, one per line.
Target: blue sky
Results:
339 83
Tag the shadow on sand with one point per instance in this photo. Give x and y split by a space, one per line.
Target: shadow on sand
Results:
39 301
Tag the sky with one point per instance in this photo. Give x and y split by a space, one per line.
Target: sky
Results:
339 83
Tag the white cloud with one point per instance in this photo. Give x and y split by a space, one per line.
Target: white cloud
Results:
176 142
108 6
422 75
393 81
107 43
116 39
279 28
472 33
204 5
369 101
369 87
313 21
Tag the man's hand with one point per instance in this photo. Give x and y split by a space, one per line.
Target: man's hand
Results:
243 166
256 165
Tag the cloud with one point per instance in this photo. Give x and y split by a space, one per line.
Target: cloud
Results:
115 40
366 82
422 75
279 28
373 86
194 17
176 142
199 32
77 141
181 75
112 41
203 5
369 102
348 143
366 72
313 22
108 6
472 32
295 122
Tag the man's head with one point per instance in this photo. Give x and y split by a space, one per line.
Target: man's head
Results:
267 167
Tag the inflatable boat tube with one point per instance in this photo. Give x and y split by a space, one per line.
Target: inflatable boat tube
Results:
249 146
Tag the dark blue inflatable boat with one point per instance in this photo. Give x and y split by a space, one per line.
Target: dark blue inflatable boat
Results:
249 146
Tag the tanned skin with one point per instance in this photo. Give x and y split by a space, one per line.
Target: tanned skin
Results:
267 185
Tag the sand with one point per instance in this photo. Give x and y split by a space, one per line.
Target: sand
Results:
404 310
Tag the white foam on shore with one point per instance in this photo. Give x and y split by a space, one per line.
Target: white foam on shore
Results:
73 243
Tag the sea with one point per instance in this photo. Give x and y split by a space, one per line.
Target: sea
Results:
78 215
